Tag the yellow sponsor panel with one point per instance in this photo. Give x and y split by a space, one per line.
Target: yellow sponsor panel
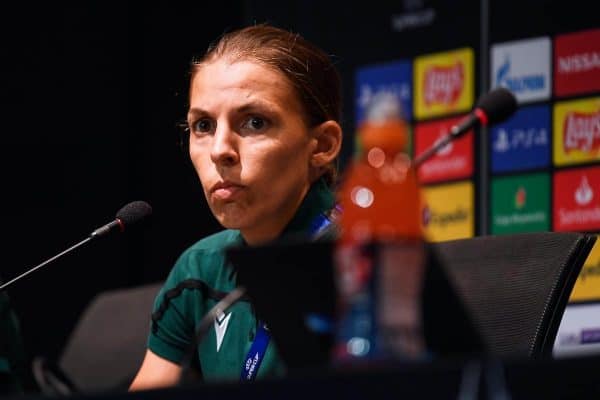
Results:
449 211
443 83
587 286
576 128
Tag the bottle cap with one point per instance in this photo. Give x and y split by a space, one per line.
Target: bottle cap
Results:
384 126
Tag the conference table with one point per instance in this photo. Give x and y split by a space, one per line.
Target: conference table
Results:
563 378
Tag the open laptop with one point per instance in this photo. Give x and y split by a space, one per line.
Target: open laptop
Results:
292 287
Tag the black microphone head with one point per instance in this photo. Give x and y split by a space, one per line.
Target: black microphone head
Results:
134 212
498 104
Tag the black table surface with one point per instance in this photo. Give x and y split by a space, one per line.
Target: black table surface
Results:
564 378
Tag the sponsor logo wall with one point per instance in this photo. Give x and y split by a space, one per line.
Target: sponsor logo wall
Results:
543 163
444 87
545 160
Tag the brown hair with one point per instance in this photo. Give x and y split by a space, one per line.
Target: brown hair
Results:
307 67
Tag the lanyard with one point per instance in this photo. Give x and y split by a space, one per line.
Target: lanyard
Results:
256 353
324 222
259 346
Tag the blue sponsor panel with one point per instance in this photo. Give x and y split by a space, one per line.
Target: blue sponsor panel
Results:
394 77
523 141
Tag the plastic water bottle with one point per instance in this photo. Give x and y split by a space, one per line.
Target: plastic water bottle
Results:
379 257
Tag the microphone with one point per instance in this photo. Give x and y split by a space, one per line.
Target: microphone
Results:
493 107
127 216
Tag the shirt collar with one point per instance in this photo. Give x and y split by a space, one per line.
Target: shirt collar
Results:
319 199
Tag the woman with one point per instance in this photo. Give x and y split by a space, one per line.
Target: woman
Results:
264 138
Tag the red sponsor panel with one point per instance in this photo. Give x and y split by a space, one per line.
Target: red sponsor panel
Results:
577 63
443 84
453 161
576 197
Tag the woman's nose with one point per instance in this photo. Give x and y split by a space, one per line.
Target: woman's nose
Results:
224 147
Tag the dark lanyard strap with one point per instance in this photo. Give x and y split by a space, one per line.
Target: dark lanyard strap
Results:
256 353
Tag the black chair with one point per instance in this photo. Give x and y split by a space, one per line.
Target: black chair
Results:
515 287
106 348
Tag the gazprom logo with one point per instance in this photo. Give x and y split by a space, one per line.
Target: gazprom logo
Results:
523 67
518 84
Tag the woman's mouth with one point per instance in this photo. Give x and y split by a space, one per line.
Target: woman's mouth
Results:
225 190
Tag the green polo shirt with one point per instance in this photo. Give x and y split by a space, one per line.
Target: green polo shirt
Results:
199 279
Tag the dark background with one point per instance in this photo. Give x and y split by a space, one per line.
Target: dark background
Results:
92 93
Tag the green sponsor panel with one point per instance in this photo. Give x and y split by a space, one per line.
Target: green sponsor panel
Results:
521 204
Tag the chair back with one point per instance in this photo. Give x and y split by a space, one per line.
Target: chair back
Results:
515 287
107 346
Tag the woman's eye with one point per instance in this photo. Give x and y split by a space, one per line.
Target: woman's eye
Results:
203 125
255 123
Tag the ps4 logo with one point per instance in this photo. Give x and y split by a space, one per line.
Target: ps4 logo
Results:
520 138
518 84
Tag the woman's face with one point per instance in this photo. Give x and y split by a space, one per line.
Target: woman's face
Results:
249 145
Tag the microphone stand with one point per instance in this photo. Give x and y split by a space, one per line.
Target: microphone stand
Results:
424 156
129 214
470 121
84 241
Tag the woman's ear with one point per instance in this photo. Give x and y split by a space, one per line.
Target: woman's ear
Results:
328 136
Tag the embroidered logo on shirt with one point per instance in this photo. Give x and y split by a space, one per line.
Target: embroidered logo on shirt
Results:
221 323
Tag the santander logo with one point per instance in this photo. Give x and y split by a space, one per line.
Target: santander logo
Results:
443 85
576 206
582 131
584 193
